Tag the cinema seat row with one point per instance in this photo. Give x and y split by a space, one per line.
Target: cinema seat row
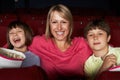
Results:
38 23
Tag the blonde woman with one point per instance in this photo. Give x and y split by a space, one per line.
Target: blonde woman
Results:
61 57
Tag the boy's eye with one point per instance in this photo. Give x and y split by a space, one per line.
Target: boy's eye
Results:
64 22
100 33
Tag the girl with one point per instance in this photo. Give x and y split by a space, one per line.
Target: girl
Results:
19 36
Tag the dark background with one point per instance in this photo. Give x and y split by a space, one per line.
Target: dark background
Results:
106 5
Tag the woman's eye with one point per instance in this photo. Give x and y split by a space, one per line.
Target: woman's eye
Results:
64 22
54 22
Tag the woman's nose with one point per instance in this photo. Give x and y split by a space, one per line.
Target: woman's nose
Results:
59 26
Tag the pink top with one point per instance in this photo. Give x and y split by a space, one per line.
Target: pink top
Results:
57 63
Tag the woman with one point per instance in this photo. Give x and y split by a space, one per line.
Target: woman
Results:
61 56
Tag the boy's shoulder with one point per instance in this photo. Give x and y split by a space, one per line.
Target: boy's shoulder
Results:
114 48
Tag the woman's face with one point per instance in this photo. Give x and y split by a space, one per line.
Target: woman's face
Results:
59 27
17 37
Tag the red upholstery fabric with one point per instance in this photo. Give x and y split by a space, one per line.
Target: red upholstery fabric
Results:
2 35
109 76
5 19
115 34
29 73
38 23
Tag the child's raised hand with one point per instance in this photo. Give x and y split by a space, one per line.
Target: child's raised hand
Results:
108 62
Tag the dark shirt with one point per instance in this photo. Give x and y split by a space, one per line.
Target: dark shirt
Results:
31 59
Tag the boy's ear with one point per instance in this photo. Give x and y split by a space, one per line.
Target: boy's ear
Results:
109 37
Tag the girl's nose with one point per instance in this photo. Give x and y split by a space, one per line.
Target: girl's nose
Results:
95 37
15 34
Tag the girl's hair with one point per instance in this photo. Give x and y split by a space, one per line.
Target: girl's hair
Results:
27 30
65 13
97 24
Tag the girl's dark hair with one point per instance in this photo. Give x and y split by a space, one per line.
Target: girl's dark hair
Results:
97 24
27 30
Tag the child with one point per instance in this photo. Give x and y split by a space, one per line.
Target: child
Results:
104 56
19 36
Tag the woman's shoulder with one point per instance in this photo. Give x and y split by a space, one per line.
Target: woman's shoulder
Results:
39 38
78 40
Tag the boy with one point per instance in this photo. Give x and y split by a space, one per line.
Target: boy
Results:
104 56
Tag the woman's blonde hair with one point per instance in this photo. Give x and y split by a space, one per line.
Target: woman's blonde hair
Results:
65 13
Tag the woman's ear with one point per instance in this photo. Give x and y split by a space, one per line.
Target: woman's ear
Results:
109 37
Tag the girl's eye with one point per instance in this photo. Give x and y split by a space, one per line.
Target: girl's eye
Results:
19 31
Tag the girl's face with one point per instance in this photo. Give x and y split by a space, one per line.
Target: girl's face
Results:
17 37
97 39
59 27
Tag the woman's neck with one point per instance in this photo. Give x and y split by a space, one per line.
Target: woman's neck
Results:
62 45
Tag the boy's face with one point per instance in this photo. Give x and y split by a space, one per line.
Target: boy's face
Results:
17 37
97 39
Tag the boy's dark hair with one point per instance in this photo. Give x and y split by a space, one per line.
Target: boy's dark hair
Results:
27 30
97 24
